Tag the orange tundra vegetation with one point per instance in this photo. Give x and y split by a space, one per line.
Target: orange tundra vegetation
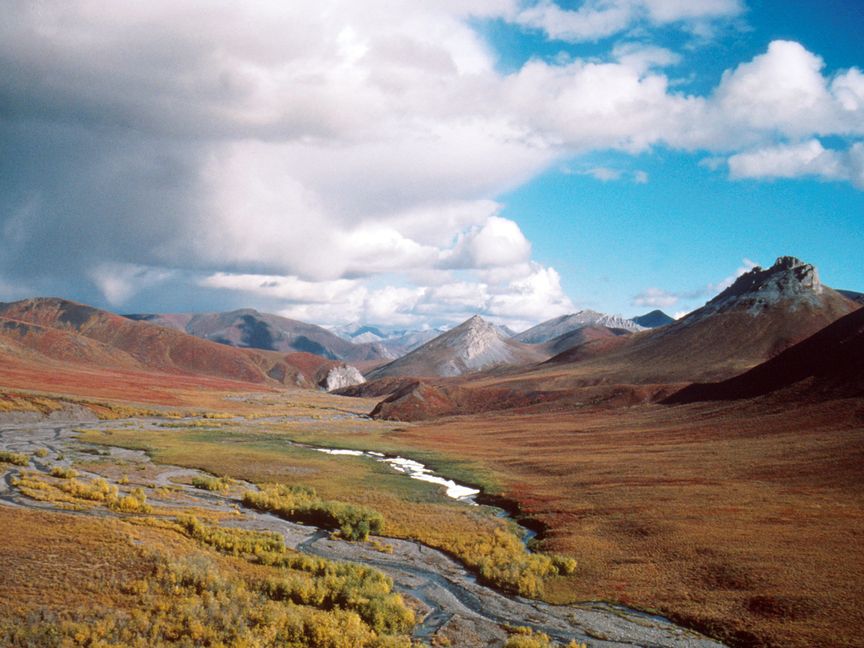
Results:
714 514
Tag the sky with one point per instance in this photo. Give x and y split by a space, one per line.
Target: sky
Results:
411 164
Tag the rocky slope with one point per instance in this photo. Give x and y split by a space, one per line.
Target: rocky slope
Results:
474 345
763 313
558 326
342 376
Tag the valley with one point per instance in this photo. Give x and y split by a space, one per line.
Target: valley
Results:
448 600
603 483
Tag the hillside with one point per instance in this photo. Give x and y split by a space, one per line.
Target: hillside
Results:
60 338
474 345
248 328
763 313
829 364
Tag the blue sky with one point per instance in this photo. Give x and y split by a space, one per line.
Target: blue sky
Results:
411 165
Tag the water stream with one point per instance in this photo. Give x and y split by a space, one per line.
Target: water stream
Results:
450 595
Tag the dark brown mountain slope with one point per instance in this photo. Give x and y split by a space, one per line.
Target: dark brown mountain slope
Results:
831 362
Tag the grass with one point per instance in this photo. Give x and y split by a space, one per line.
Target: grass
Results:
81 581
63 472
353 493
732 519
302 504
80 494
214 484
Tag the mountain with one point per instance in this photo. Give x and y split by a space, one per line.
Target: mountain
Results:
39 324
558 326
472 346
854 296
764 312
46 343
654 319
581 336
830 361
248 328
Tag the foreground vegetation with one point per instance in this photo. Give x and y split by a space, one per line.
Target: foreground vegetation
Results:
358 498
194 584
302 504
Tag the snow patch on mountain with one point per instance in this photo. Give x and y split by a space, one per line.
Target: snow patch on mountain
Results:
559 326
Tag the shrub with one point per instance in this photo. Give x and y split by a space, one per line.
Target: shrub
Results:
16 458
41 453
63 472
210 483
301 504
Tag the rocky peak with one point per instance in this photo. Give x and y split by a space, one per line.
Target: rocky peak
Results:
788 280
475 336
342 376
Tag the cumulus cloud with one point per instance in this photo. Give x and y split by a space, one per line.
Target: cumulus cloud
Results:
348 142
807 158
497 242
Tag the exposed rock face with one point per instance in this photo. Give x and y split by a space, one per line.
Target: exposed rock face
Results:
474 345
341 377
788 280
564 324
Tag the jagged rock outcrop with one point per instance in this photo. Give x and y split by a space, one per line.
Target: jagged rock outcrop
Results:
789 280
342 376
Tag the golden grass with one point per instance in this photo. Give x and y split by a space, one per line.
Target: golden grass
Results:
738 519
410 509
77 581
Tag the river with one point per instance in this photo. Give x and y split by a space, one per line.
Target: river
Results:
449 596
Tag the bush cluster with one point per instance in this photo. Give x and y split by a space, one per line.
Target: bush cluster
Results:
217 484
302 504
16 458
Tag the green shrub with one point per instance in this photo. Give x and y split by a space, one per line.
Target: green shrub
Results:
16 458
301 504
63 472
210 483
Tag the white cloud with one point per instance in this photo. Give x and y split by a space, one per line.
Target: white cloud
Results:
656 298
118 282
596 19
640 177
807 158
358 142
642 57
497 242
604 174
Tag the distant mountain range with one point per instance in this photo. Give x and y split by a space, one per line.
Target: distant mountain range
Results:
761 315
248 328
53 341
